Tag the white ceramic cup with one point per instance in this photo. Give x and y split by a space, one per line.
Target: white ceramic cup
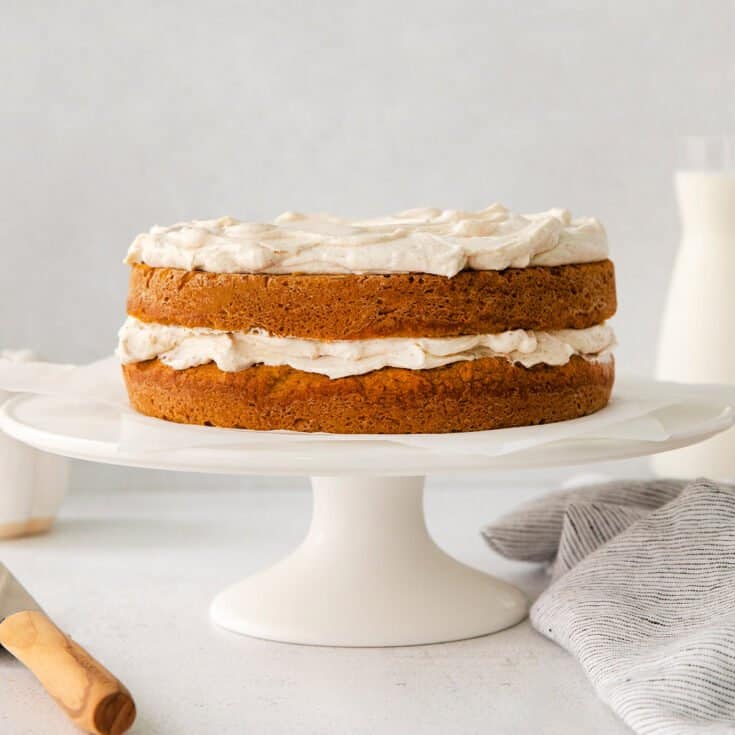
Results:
32 483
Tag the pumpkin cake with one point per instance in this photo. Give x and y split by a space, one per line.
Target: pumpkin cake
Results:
429 321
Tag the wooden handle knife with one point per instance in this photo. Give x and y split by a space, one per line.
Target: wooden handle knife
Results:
92 697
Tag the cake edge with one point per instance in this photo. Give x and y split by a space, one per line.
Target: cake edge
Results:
487 393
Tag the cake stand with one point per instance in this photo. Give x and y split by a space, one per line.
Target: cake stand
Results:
367 573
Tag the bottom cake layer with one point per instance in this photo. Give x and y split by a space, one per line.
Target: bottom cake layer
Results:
487 393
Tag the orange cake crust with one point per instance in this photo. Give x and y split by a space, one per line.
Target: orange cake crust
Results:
336 307
486 393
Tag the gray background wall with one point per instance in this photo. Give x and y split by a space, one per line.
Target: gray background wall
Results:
115 118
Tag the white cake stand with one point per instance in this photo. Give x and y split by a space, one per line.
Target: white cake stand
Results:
367 573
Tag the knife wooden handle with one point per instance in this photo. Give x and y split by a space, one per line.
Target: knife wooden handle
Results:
92 697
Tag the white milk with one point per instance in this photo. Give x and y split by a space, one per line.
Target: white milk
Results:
698 332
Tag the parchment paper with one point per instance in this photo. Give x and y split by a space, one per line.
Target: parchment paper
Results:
631 414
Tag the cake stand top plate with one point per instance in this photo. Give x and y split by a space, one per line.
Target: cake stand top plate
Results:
91 430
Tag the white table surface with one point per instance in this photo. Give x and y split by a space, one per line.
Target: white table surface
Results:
130 574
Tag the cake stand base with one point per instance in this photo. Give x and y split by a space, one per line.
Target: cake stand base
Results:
368 574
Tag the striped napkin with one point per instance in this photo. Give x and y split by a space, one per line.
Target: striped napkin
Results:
642 593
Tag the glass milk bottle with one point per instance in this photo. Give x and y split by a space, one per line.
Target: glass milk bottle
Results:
697 342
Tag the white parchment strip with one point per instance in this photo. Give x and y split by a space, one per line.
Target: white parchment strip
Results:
631 414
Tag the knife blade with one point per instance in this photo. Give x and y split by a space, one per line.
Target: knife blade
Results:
13 595
94 699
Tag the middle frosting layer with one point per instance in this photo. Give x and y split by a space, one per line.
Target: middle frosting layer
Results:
183 347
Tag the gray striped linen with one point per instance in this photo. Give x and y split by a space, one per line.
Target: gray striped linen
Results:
642 594
587 526
532 531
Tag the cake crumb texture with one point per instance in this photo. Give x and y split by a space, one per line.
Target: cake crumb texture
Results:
486 393
339 307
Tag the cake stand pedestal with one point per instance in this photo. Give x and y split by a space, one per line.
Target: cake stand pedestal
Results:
367 573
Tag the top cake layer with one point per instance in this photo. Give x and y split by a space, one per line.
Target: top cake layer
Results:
434 241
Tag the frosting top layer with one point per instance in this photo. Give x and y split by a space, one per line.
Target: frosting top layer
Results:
441 242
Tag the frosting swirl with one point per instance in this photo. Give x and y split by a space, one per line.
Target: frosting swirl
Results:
184 347
441 242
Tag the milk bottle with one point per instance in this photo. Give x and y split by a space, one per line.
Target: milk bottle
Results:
697 342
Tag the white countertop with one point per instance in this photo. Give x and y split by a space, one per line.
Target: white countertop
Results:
129 574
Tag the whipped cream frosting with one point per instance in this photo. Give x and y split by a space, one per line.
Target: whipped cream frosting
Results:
441 242
183 347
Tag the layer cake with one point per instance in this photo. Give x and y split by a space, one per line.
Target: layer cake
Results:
424 322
